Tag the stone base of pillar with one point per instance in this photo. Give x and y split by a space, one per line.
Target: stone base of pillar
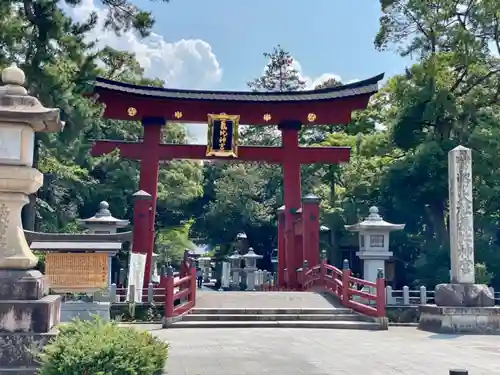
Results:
460 320
27 319
463 295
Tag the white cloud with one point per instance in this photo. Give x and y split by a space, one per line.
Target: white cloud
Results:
199 131
312 82
187 63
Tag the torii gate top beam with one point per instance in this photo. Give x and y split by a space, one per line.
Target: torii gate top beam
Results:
332 105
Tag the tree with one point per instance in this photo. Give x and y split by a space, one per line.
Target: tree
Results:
279 74
59 62
449 97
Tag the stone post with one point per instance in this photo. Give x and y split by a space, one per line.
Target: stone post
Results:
462 291
461 306
27 312
226 275
461 216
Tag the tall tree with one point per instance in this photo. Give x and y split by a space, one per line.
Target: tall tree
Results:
449 97
280 74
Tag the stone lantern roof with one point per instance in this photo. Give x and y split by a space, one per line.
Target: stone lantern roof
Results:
251 255
17 106
103 217
374 222
234 256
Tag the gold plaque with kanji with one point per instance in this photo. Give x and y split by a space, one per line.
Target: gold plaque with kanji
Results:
77 272
223 135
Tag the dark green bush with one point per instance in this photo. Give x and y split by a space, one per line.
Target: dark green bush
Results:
101 348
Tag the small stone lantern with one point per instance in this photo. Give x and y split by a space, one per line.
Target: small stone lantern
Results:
205 265
374 242
250 267
103 222
235 260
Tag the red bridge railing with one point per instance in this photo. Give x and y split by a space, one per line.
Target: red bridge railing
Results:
180 294
363 296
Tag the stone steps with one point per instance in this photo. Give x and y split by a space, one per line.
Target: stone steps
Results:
371 326
329 318
280 311
275 317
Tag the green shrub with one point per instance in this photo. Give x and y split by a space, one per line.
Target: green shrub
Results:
100 348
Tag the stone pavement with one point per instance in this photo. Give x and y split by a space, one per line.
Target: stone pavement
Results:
399 351
261 300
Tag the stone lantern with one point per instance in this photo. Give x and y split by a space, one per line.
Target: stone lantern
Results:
27 312
205 265
235 260
374 242
250 267
103 222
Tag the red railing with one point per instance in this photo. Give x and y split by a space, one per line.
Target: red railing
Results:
180 294
349 289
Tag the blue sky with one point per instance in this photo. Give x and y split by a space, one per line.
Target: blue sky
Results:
325 36
218 44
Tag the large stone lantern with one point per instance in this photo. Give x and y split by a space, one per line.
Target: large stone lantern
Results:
250 267
374 242
27 313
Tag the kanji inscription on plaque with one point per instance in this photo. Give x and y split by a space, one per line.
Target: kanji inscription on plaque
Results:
73 271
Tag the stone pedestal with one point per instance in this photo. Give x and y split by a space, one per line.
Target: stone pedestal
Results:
463 295
250 273
27 319
472 320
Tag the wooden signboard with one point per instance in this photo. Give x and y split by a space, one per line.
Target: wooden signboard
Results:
78 272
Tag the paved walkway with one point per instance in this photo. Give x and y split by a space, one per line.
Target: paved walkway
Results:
399 351
269 300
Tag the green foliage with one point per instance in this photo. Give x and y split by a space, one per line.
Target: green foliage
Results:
483 276
280 74
172 242
97 347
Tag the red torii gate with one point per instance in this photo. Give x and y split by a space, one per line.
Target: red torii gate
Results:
289 110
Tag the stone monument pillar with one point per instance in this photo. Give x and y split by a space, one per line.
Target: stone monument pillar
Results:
27 313
461 305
